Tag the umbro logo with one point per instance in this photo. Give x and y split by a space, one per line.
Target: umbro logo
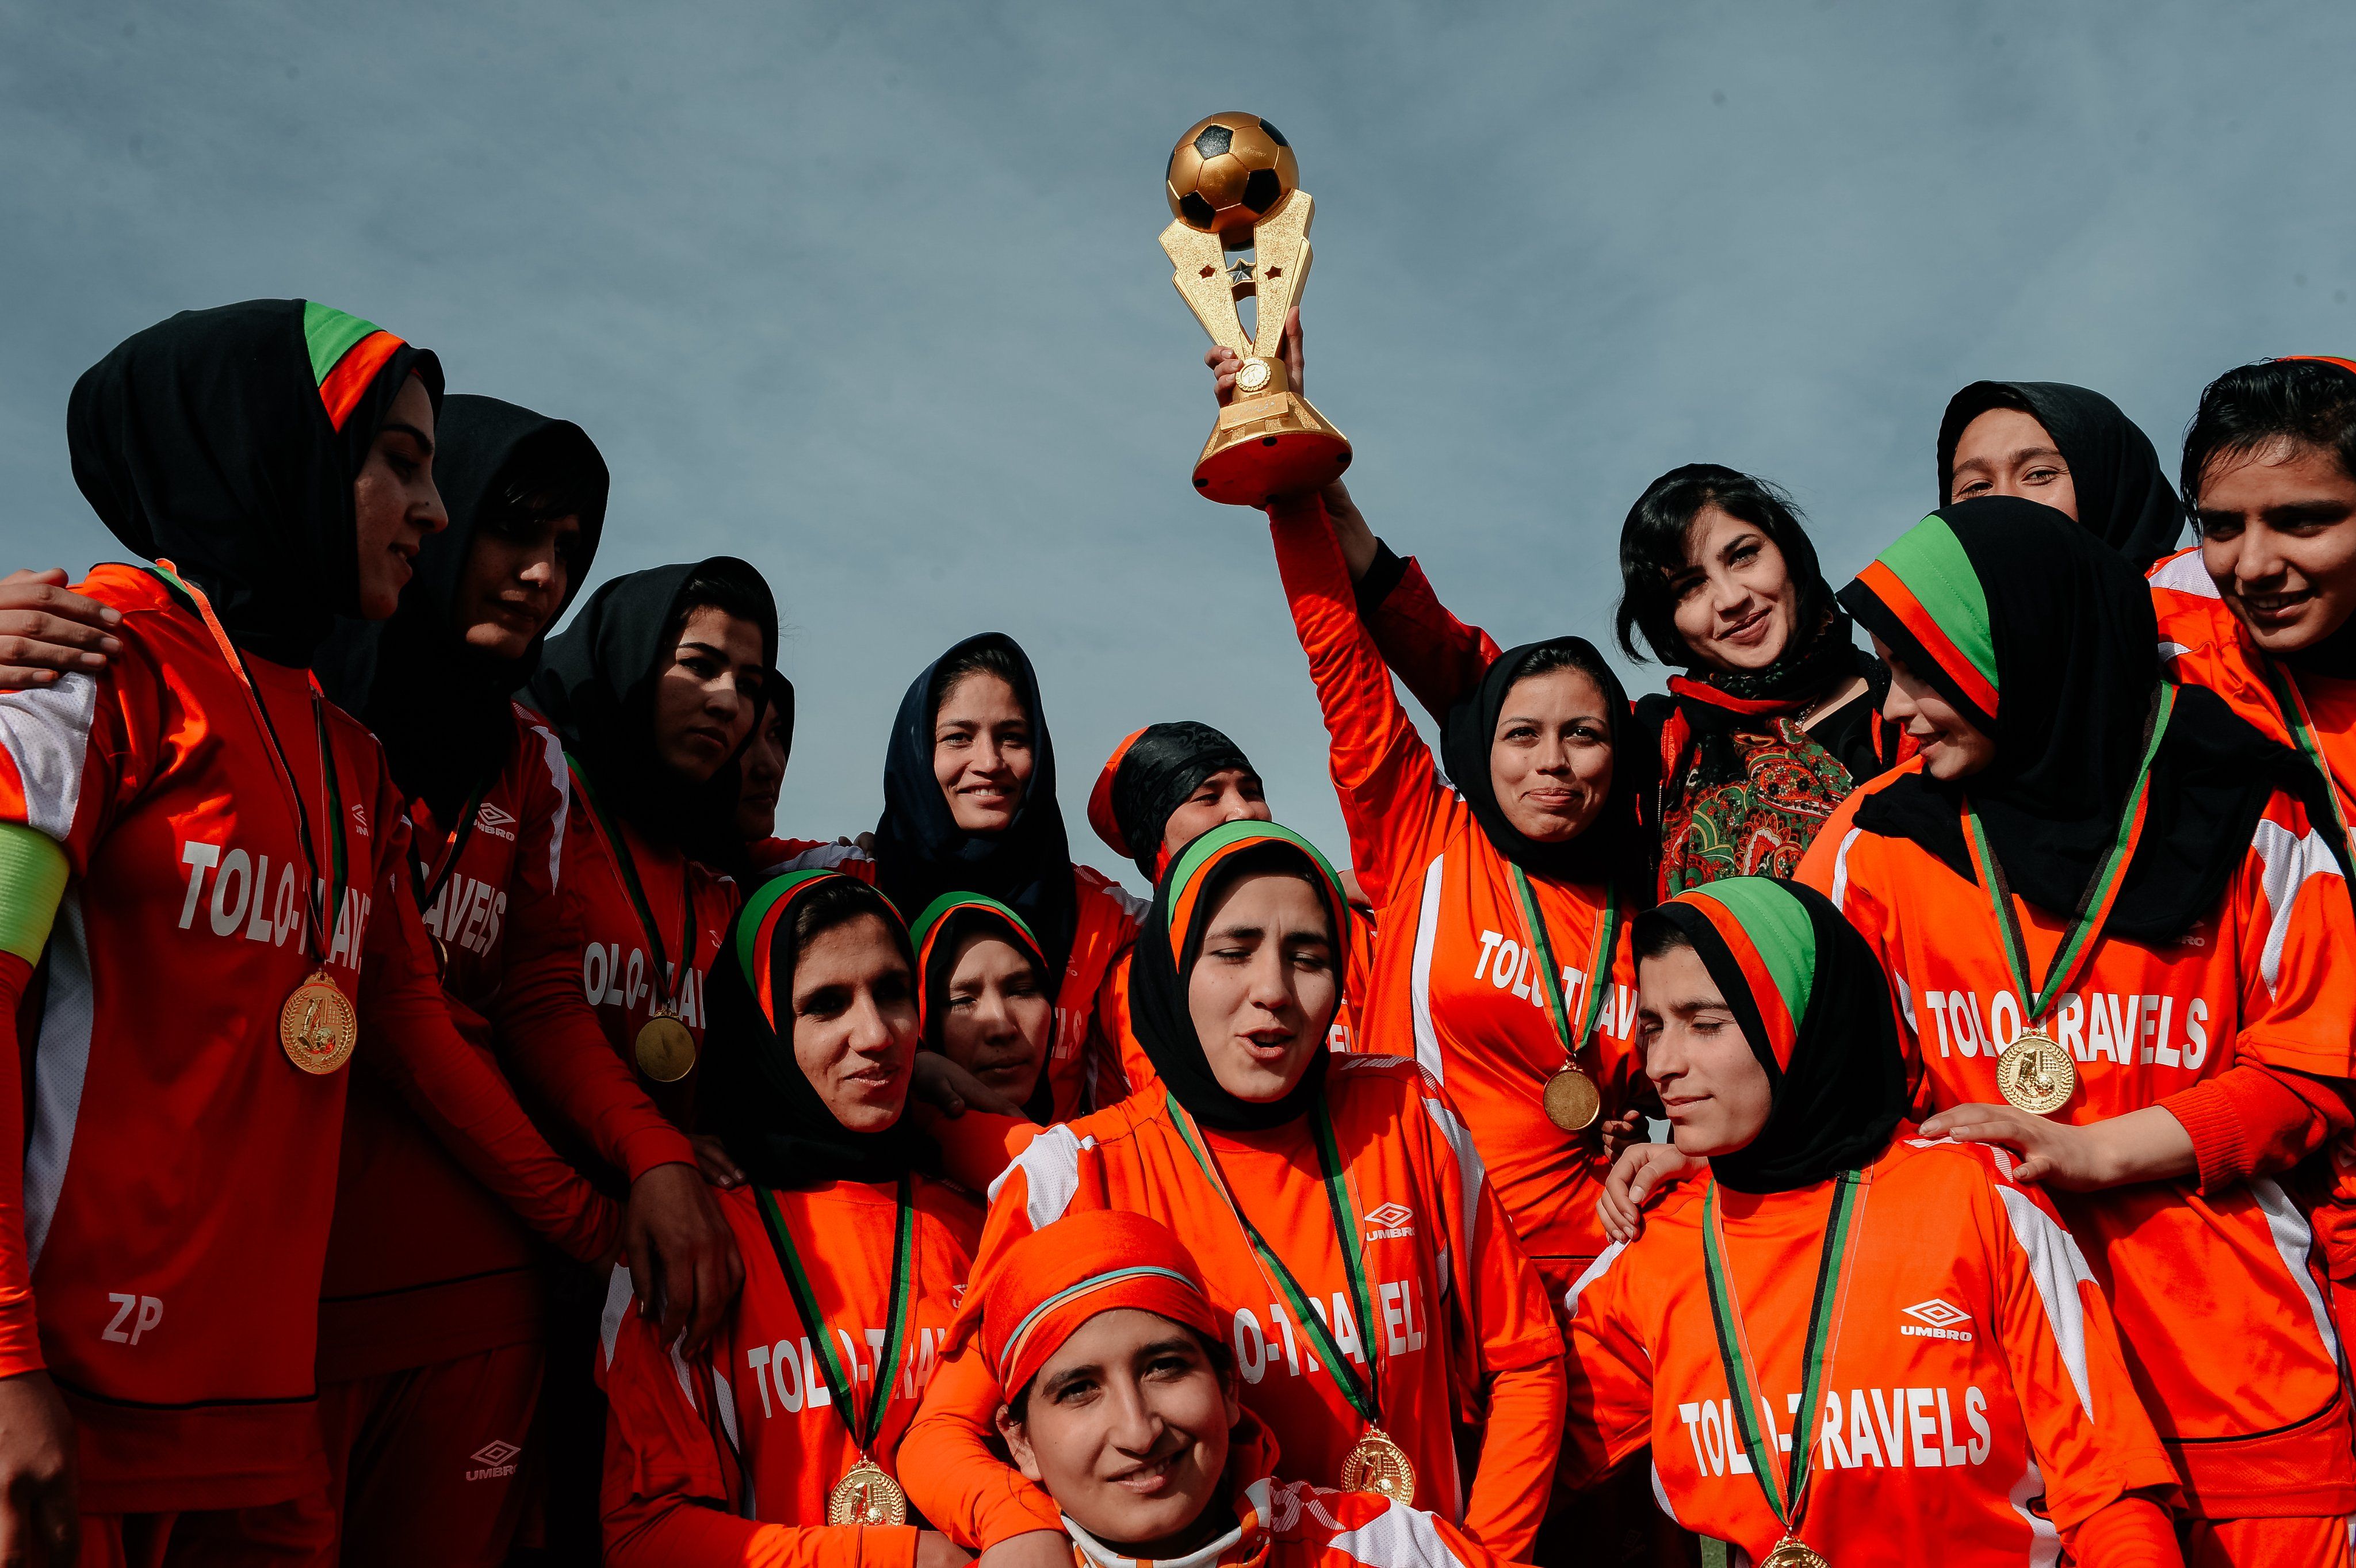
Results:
1937 1319
500 824
496 1460
360 820
1388 1222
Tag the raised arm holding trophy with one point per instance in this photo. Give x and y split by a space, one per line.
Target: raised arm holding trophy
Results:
1232 184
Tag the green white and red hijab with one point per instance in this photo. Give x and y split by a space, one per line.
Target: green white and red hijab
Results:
1816 1010
227 440
2044 639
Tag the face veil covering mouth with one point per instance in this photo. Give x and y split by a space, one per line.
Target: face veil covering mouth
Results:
1816 1010
229 441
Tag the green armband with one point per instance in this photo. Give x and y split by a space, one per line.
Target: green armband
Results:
32 882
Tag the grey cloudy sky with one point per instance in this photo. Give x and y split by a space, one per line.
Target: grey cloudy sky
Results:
870 293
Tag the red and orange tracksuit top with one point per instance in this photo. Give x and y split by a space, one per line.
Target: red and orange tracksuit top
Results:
423 1263
1291 1524
1085 1064
1462 1324
2225 1325
170 1215
726 1456
1973 1393
612 965
1452 969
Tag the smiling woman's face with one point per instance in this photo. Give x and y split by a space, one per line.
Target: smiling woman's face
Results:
705 698
981 752
1737 604
394 503
854 1022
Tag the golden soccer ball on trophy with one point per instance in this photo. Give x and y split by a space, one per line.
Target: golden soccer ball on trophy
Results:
1228 173
1233 183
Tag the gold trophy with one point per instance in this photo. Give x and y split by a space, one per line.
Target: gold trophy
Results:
1234 185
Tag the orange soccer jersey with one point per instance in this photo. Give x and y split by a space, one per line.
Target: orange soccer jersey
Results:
1453 976
727 1457
2226 1330
1460 1319
1973 1393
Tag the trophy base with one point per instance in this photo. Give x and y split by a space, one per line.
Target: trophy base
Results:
1267 447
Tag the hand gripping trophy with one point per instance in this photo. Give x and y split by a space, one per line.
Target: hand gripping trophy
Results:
1233 183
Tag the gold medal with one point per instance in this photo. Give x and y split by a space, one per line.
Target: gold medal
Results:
316 1026
666 1051
1573 1100
1376 1464
2035 1074
867 1496
1793 1552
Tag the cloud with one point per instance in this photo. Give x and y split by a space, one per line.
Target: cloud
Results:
870 295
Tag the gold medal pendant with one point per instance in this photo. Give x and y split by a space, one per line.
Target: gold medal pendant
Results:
316 1026
2035 1074
1793 1552
1377 1465
1573 1100
666 1053
867 1496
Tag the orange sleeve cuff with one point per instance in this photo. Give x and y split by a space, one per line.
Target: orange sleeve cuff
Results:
2133 1532
2252 1121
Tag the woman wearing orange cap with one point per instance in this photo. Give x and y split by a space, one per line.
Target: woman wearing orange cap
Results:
1164 787
1370 1286
777 1440
1125 1409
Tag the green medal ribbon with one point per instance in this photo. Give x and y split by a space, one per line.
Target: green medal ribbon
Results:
666 979
317 905
2093 905
1599 966
863 1428
1734 1347
1362 1394
2302 730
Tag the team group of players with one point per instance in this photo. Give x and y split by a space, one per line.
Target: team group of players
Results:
458 1129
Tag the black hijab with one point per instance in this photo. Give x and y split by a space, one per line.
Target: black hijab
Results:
2124 496
595 687
755 1096
1171 939
1816 1009
921 852
440 707
1614 848
2058 632
227 440
1151 774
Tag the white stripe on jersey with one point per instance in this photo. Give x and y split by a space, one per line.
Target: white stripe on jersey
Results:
1399 1537
619 1296
1051 1173
2186 574
46 732
2044 1541
2293 1238
1840 871
1470 1171
2058 1269
1595 1270
60 1064
819 858
1661 1496
1427 931
2289 862
562 776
